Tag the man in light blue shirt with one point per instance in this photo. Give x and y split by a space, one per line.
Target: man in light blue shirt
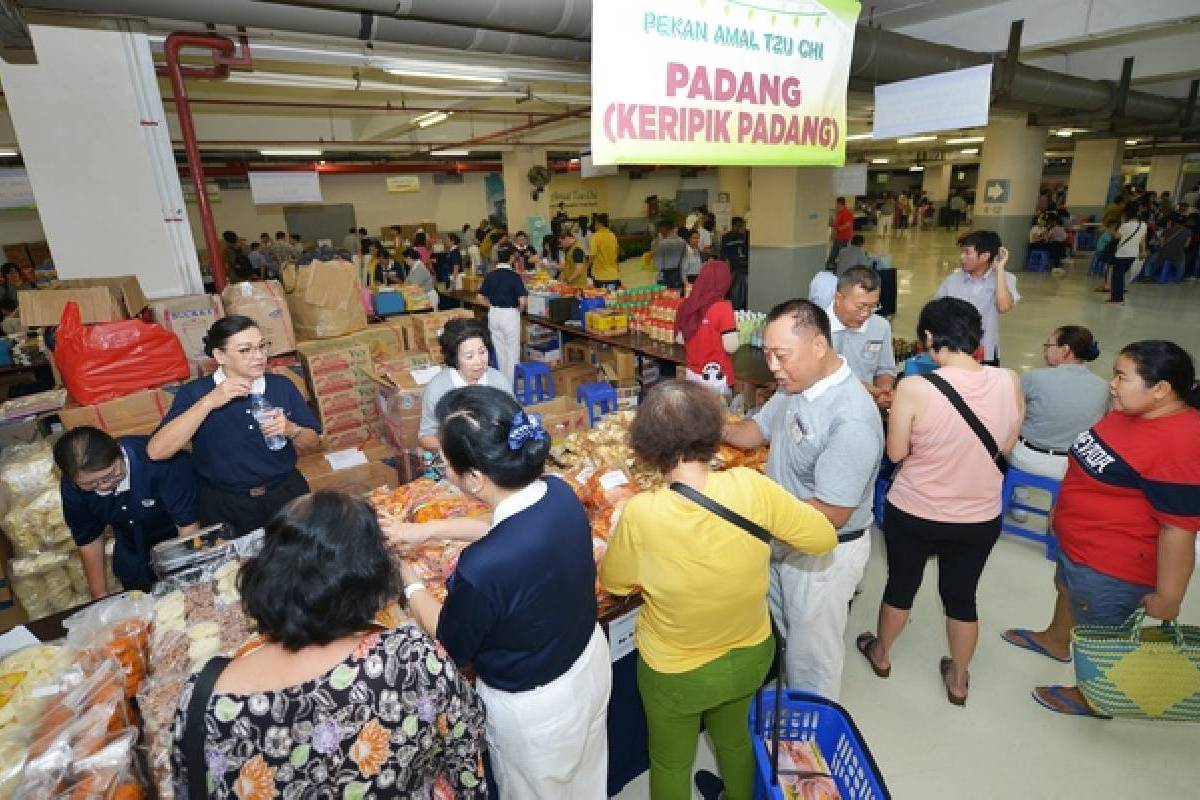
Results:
983 283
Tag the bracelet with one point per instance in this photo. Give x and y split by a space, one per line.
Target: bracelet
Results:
412 589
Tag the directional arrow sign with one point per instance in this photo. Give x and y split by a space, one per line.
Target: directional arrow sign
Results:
996 190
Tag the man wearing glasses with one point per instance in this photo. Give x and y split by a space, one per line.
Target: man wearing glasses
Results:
861 336
110 482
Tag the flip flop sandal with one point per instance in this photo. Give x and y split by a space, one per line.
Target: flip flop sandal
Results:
864 642
944 667
1058 702
1020 637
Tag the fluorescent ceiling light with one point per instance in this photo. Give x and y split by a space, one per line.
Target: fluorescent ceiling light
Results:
449 152
857 136
970 151
965 140
911 139
432 118
1066 132
289 152
327 82
9 152
469 77
880 160
1131 141
916 168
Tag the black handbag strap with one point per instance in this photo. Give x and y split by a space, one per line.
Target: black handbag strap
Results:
985 437
725 513
193 730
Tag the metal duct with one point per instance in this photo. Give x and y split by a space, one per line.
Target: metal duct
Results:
454 24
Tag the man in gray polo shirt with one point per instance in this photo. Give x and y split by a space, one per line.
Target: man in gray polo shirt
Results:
861 336
826 442
983 283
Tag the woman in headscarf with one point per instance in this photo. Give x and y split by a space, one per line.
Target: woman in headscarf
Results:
706 326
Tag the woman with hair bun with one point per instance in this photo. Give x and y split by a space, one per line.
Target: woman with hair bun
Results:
521 604
1062 400
1128 511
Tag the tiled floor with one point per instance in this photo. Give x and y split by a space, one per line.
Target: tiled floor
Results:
1002 745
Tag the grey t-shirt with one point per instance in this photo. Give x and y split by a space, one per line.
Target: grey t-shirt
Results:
444 382
670 253
1061 403
419 275
867 350
826 443
981 293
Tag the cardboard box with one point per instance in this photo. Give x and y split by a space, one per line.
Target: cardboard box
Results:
265 303
99 299
578 352
400 403
137 413
358 479
327 299
561 417
567 380
401 433
619 364
189 318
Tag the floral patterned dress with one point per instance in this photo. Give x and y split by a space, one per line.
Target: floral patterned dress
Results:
394 720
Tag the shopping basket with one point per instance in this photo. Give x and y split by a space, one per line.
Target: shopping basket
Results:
793 715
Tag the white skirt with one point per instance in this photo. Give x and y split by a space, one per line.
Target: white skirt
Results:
552 742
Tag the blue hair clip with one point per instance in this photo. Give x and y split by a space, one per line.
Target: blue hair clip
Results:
524 428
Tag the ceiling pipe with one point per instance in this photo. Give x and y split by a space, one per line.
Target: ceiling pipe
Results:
528 126
385 108
225 57
240 170
571 19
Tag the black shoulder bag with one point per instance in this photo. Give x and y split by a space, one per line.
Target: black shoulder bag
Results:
193 727
986 438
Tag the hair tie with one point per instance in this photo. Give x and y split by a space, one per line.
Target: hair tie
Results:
524 428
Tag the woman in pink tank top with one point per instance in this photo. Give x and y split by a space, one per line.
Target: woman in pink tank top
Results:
945 500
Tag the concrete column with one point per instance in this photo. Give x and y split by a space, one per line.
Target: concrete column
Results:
1013 156
789 238
936 181
1165 172
518 190
93 134
1095 163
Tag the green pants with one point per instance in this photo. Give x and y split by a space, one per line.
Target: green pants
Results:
718 693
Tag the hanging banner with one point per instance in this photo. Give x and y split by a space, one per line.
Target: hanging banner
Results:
404 183
749 82
577 195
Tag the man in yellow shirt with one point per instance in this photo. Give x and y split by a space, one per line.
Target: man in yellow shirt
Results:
574 260
605 254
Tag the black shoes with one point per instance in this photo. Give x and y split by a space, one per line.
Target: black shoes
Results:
709 785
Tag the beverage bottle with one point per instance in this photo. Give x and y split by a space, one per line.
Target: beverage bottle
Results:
262 410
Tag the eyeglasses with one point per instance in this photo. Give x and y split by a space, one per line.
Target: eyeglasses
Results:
867 308
112 476
262 349
1048 345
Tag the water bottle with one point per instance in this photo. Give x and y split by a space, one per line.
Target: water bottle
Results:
262 411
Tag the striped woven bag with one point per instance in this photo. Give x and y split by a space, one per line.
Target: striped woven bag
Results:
1150 672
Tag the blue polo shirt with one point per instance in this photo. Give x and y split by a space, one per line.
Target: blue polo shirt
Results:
521 604
503 287
160 497
229 450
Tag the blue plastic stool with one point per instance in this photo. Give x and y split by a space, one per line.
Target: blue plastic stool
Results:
1039 261
1019 478
1168 271
532 382
920 364
1085 239
599 398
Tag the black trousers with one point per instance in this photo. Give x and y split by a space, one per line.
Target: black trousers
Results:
245 512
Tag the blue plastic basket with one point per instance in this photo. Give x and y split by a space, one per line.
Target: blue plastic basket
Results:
807 717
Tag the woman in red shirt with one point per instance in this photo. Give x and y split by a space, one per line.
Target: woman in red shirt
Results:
1128 509
706 325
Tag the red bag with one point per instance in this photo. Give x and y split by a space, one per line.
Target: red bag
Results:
113 359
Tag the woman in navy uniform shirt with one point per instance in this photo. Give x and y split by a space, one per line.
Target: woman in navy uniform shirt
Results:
106 481
242 481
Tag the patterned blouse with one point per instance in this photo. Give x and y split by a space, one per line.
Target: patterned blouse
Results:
394 720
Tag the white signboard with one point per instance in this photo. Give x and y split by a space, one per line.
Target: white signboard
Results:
404 183
732 82
948 100
273 188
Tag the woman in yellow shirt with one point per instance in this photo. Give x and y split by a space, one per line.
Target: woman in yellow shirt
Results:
704 636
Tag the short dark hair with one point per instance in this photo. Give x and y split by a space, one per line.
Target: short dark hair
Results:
954 324
280 234
1083 345
85 449
857 240
865 277
677 421
737 221
230 237
474 424
983 242
1159 360
521 233
419 239
805 314
453 237
841 201
323 572
8 305
296 236
220 331
9 267
460 330
600 219
362 231
411 252
504 253
256 244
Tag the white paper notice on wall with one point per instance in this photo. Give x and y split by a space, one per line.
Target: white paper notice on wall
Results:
620 635
947 100
273 188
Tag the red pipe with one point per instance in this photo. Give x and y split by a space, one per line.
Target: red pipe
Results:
223 60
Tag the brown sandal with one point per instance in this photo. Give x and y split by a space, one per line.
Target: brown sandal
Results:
864 643
944 668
